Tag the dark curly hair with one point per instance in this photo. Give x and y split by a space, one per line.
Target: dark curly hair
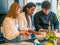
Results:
46 5
28 5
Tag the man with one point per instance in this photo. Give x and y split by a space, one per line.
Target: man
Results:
43 17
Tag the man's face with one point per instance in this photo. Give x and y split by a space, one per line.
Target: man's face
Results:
31 10
46 11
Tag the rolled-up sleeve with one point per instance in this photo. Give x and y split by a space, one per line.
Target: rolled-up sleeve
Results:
56 22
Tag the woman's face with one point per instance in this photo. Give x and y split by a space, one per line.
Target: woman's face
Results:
18 10
30 10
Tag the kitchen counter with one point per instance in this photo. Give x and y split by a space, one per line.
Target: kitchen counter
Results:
26 43
18 43
31 41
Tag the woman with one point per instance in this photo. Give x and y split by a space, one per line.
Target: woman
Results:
10 24
25 19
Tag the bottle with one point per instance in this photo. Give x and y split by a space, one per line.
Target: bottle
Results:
49 27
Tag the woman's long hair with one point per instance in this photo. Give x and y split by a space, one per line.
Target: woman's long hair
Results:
12 12
28 5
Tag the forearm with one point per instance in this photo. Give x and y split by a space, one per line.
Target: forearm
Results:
55 30
33 31
24 32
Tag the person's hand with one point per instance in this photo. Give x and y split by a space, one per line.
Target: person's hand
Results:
24 32
43 30
27 33
21 33
55 30
33 31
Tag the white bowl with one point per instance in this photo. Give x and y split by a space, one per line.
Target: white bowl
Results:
57 35
40 36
